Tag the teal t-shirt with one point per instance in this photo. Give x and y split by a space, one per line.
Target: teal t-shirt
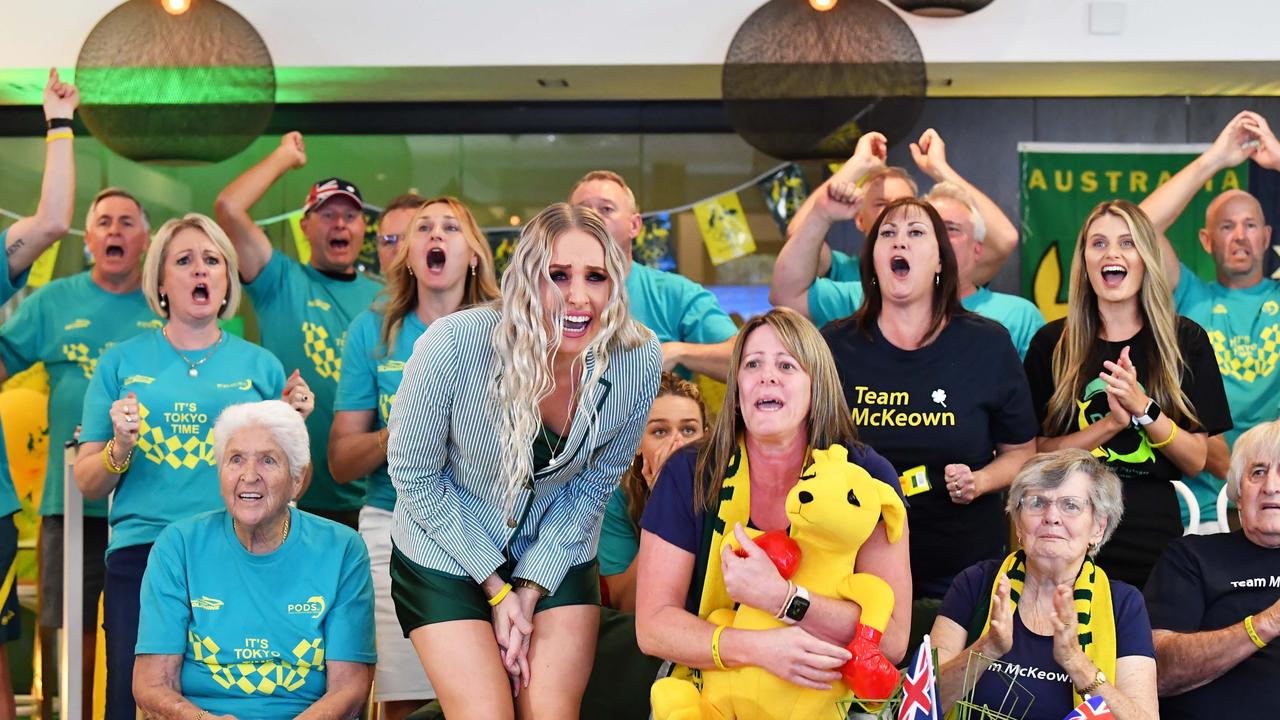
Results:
173 474
830 300
676 309
67 325
1244 330
370 378
619 538
256 632
844 267
303 316
8 496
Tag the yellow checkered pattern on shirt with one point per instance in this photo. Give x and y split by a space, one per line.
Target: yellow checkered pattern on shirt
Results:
384 406
78 353
260 677
173 450
1250 367
327 358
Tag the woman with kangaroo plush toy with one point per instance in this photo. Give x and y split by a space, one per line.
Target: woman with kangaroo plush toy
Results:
783 402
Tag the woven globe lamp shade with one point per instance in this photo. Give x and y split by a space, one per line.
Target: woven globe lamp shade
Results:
803 84
197 86
941 8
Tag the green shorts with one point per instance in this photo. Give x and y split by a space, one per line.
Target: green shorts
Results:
423 596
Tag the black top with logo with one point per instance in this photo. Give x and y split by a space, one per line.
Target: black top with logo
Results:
1209 582
1151 515
951 401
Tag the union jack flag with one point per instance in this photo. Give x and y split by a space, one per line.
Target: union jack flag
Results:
1093 708
919 693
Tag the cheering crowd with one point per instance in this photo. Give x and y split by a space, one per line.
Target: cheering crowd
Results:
424 485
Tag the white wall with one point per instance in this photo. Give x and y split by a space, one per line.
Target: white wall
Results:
474 33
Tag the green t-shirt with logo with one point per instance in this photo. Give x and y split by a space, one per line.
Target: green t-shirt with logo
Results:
370 378
257 633
67 325
8 497
844 267
1244 330
303 316
173 474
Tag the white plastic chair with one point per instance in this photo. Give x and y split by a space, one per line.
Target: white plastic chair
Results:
1193 507
1223 521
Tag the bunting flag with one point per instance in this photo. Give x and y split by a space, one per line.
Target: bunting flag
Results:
299 239
42 268
724 228
653 246
784 192
503 243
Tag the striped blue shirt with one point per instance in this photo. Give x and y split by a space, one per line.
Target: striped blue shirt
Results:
444 458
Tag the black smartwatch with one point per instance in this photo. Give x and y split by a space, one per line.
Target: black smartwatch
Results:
55 123
797 608
1148 416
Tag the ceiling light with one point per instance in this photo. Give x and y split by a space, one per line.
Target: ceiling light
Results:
176 7
822 5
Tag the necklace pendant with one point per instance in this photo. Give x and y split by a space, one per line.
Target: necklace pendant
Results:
193 372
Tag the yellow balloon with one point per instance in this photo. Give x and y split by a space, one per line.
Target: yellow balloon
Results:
25 414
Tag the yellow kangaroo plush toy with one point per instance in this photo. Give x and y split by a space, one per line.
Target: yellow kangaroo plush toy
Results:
833 509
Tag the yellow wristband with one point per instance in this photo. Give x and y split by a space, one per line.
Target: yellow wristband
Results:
493 601
1253 634
1172 434
110 464
59 135
715 647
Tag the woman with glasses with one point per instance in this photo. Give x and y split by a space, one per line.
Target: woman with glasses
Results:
442 263
1031 635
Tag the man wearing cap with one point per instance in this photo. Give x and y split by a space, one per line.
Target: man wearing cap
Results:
304 310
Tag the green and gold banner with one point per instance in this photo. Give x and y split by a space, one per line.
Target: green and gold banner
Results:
1062 182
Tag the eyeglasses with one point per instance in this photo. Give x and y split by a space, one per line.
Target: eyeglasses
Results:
388 240
1067 506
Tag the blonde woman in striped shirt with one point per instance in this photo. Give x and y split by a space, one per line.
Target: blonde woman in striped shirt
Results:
508 435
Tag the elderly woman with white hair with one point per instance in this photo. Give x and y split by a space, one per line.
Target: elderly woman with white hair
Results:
148 412
1215 599
257 609
1030 636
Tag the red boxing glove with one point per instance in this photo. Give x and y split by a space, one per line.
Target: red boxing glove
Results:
782 550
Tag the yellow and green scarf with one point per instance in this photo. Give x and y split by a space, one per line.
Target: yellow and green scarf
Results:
732 506
1094 611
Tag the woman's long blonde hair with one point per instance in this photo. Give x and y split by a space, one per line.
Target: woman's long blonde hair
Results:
528 335
829 421
1075 354
402 288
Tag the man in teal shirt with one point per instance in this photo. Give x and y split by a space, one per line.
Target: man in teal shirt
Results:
304 310
824 300
24 242
695 332
1241 310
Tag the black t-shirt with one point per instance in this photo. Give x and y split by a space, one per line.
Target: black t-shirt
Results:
1208 582
1151 515
949 402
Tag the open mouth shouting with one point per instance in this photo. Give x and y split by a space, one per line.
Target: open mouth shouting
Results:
576 325
200 294
769 403
899 266
436 258
1113 275
340 244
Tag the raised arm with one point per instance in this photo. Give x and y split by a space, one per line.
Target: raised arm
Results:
837 199
930 155
234 202
30 236
1163 206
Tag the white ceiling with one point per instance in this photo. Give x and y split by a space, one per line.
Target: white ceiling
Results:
671 49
